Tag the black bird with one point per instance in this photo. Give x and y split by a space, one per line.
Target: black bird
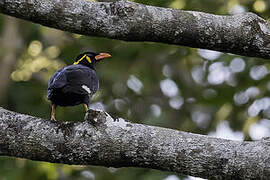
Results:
75 84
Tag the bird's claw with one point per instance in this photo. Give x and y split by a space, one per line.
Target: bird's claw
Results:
86 116
53 119
89 117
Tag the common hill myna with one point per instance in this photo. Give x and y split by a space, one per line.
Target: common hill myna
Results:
75 84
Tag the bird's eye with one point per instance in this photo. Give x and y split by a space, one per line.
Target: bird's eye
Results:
88 59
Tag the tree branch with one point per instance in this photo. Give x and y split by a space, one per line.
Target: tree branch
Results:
244 34
102 140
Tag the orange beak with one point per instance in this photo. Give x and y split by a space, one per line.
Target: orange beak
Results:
102 56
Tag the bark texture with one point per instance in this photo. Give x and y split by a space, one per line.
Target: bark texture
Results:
244 34
104 141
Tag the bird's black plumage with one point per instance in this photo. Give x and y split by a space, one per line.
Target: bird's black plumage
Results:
75 84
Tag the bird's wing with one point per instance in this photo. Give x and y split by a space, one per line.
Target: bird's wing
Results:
57 81
81 80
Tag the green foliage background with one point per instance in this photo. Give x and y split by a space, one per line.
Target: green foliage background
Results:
45 50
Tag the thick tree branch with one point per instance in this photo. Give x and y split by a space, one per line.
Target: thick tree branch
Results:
244 34
103 141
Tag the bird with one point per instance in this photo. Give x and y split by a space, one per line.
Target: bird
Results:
75 84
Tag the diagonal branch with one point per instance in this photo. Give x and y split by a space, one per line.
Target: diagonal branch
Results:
103 141
244 34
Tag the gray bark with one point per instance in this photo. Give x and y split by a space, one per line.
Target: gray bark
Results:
244 34
102 140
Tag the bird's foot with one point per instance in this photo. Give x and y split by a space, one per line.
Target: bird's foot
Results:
86 116
53 119
91 116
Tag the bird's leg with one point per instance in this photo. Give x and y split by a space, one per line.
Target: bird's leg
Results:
86 111
90 115
85 107
53 112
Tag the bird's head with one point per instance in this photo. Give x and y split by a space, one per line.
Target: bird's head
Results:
90 58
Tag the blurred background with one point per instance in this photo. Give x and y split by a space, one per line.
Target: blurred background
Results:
183 88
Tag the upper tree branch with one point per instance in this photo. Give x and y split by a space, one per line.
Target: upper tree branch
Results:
244 34
119 143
